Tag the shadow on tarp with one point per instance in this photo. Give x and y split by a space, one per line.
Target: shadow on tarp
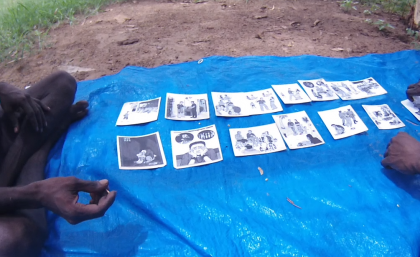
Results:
349 204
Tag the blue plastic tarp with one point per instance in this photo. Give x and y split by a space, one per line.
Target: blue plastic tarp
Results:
351 206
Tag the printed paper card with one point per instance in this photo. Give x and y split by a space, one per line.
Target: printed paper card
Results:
139 112
318 90
140 152
298 130
187 107
291 94
343 122
256 140
346 90
246 104
412 107
383 116
369 87
195 147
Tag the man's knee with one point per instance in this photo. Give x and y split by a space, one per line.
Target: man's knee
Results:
19 236
65 82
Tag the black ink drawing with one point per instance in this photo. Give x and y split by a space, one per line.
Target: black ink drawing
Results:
195 147
142 152
318 90
256 140
346 91
291 94
369 87
383 116
298 130
139 112
187 107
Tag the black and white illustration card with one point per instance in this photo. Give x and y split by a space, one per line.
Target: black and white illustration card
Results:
141 152
195 147
369 87
343 122
412 107
256 140
291 94
383 116
139 112
187 107
298 130
346 90
318 90
246 104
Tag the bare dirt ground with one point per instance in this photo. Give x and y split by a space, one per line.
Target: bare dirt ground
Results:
154 33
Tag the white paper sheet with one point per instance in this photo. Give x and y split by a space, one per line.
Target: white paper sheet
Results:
246 103
343 122
369 87
383 116
412 108
187 107
256 140
195 147
291 94
140 152
139 112
346 90
298 130
318 90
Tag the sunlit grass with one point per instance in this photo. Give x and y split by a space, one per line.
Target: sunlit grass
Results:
25 23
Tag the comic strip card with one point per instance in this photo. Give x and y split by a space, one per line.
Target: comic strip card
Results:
383 116
195 147
318 90
246 104
141 152
412 107
369 87
346 90
187 107
139 112
343 122
291 94
256 140
298 130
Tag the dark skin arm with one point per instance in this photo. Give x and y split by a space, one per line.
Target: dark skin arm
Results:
413 90
60 195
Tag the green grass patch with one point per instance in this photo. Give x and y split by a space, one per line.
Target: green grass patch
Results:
24 24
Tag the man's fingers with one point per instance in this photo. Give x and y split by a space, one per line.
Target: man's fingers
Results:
28 109
39 115
92 186
43 106
15 122
92 211
387 162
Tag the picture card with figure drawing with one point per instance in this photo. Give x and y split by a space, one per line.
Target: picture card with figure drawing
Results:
246 103
187 107
369 87
139 112
412 108
291 94
346 90
256 140
343 122
298 130
318 90
383 116
195 147
140 152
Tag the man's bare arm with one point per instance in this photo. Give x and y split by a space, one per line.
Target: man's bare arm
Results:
60 195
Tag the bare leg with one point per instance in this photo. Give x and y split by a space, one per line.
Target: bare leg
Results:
57 92
23 232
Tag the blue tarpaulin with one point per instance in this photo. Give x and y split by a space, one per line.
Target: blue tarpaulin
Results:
351 205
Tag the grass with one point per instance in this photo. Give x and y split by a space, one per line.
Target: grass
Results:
25 23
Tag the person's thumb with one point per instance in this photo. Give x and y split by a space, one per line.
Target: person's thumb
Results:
92 186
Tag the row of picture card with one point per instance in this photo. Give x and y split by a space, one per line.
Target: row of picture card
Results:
201 146
196 106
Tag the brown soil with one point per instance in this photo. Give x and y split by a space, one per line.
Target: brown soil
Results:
153 33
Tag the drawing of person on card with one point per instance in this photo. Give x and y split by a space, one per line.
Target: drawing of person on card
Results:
262 104
198 153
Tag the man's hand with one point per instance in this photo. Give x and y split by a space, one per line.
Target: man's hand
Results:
403 154
60 195
14 101
413 90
